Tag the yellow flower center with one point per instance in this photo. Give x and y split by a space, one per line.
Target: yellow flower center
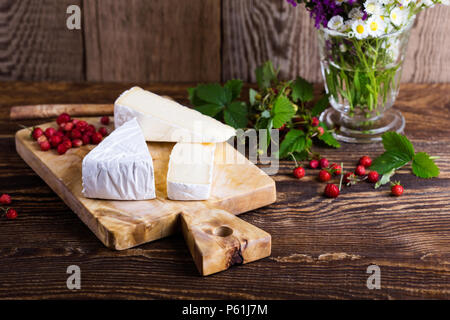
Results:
374 26
360 29
394 16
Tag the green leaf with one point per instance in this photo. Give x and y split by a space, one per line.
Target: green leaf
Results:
251 96
294 141
282 111
385 179
192 94
235 87
209 109
423 166
393 141
388 161
212 93
265 74
235 115
328 137
302 89
320 106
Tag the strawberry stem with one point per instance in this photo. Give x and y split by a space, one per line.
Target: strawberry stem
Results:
293 157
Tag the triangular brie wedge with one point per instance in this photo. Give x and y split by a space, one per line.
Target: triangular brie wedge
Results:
120 167
162 119
190 171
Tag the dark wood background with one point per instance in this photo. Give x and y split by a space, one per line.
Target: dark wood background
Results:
171 41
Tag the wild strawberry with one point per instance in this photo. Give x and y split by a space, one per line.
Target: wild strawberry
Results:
45 145
331 190
55 141
49 132
63 118
299 172
62 149
280 128
324 175
42 139
350 178
105 120
68 126
397 189
76 143
5 199
37 132
11 214
75 134
314 164
96 138
75 121
336 169
315 121
90 128
82 125
360 170
365 161
324 163
373 176
67 143
320 131
103 131
59 134
86 139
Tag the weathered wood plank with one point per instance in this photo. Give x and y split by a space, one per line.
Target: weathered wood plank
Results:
35 43
145 41
256 31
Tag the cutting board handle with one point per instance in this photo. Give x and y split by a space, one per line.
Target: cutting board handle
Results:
218 240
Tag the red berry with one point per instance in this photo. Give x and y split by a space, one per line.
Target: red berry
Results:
86 139
75 134
96 138
68 126
348 177
67 143
315 121
45 145
62 148
55 140
76 143
314 164
320 131
59 134
324 163
42 139
397 189
63 118
103 131
82 125
5 199
49 132
37 132
90 128
11 214
331 191
373 176
299 172
105 120
75 122
324 175
336 169
360 170
365 161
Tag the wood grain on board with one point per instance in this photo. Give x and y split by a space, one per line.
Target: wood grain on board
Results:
256 31
35 43
143 41
321 248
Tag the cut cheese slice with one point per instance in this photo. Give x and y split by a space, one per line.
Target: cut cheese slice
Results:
190 171
162 119
120 167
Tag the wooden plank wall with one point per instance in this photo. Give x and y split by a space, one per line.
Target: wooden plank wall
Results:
177 41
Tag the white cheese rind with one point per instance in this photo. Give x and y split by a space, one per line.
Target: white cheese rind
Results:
190 172
165 120
120 167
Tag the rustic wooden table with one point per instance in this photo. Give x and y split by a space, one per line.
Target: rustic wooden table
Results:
321 247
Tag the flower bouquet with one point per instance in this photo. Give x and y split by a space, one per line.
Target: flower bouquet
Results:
362 46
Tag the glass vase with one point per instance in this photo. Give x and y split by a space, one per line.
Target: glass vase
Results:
362 78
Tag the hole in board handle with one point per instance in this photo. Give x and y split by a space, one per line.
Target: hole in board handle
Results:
223 231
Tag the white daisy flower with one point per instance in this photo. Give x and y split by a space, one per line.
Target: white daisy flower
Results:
397 16
360 29
373 7
376 26
428 3
354 14
404 3
335 23
384 1
445 2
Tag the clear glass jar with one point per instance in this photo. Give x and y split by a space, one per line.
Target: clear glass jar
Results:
362 78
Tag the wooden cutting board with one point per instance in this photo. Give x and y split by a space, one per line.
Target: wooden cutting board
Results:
216 238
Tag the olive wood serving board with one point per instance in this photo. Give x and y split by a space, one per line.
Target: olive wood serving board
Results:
216 238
